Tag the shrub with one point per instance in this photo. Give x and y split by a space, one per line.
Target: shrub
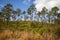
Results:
41 30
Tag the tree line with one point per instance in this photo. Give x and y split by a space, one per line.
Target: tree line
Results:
44 15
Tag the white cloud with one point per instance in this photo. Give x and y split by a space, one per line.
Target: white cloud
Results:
46 3
26 1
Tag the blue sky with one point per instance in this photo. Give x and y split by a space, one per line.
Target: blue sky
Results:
22 4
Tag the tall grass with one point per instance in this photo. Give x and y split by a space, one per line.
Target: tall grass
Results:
29 31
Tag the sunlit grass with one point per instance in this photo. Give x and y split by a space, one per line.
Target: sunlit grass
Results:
23 30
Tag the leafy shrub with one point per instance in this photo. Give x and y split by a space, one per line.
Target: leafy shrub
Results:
41 30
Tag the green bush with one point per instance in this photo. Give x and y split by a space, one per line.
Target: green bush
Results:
41 30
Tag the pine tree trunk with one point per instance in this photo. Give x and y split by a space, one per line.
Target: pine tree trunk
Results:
7 21
24 17
38 19
49 19
31 18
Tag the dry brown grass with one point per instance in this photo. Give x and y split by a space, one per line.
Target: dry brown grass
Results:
30 34
9 35
48 36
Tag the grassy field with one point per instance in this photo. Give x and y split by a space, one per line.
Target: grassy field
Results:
30 30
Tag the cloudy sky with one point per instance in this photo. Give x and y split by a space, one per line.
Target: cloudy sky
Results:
24 4
46 3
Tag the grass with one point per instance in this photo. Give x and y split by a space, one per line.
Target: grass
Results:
33 30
